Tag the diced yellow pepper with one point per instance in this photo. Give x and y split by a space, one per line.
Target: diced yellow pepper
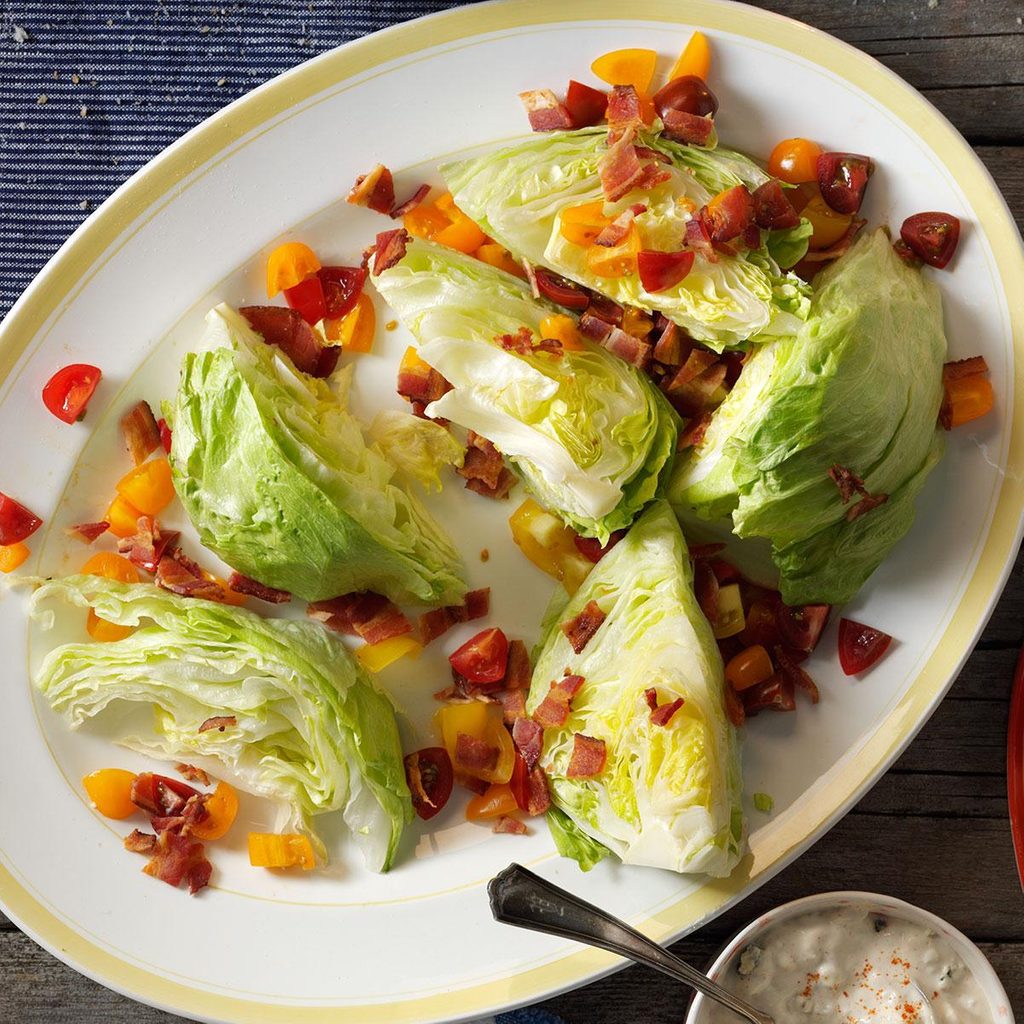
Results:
549 544
563 329
482 721
731 619
267 850
377 657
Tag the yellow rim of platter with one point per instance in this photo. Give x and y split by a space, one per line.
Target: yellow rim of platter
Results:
154 187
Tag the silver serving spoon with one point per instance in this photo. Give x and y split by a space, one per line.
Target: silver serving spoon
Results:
524 899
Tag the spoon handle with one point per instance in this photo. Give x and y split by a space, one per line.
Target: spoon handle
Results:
521 898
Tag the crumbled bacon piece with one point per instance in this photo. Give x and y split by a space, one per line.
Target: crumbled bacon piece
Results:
245 585
694 431
772 208
528 737
193 813
698 238
546 112
628 347
668 349
285 328
364 614
88 532
662 713
691 129
180 575
692 386
477 604
518 671
141 432
375 190
438 621
957 369
651 175
475 755
791 668
140 842
553 710
521 342
836 249
588 759
623 112
615 232
594 327
411 203
513 705
509 826
389 249
148 545
705 586
178 859
500 491
422 385
538 796
651 696
848 482
605 309
219 722
581 629
865 505
482 462
192 773
620 168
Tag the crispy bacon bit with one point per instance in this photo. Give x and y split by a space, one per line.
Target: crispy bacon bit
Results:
691 129
623 113
553 710
180 575
437 622
389 249
546 111
193 813
192 773
620 167
847 481
698 238
528 736
662 714
177 859
728 214
615 233
791 668
141 433
364 614
705 586
482 462
651 175
669 347
244 585
219 722
513 705
521 342
580 630
518 671
148 545
633 350
88 532
605 309
140 842
836 249
422 385
588 757
375 190
693 434
594 328
509 826
286 329
651 696
772 209
411 203
538 796
960 368
474 755
691 388
500 491
865 505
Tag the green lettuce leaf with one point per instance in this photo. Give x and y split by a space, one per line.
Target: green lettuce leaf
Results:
417 446
669 796
313 734
279 480
517 195
788 246
859 387
589 434
572 842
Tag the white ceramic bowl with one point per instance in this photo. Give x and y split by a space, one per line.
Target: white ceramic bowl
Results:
973 958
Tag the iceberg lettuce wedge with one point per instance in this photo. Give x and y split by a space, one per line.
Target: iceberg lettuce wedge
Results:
518 194
280 482
669 796
313 733
858 387
589 434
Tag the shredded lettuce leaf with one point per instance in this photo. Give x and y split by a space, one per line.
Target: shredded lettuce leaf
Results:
419 447
573 842
314 734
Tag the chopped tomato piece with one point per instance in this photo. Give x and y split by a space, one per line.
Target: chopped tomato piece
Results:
426 220
429 774
484 658
68 391
751 666
772 208
111 567
633 67
695 58
660 271
688 94
828 226
356 330
148 487
586 106
615 260
288 265
110 790
496 800
13 555
795 161
581 225
221 810
801 627
17 523
776 693
932 237
842 179
860 646
281 851
307 298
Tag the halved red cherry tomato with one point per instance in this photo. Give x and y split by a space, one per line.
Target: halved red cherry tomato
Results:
776 693
728 214
342 288
160 794
16 522
932 237
795 161
308 298
591 548
801 627
860 646
660 271
687 93
68 391
484 658
429 774
842 178
559 290
762 625
586 106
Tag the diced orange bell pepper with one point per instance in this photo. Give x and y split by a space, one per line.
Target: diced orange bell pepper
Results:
110 789
425 221
13 555
110 566
563 329
461 234
549 544
123 517
633 67
377 657
694 60
222 808
357 329
288 265
498 256
969 398
615 260
267 850
148 487
498 799
582 224
483 722
412 363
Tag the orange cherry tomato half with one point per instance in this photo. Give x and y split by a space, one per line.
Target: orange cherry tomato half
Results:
222 809
68 391
751 666
496 800
110 790
795 161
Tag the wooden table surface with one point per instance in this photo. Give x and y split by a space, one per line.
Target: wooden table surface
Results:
934 830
